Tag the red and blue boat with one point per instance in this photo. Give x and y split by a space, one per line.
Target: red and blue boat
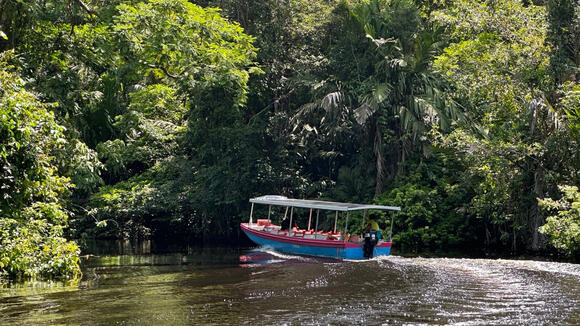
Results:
312 241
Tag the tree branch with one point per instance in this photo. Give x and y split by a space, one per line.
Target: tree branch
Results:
162 69
86 7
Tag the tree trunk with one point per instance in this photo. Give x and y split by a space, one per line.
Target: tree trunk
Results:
487 237
536 214
378 147
514 241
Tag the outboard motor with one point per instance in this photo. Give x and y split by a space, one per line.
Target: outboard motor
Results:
371 240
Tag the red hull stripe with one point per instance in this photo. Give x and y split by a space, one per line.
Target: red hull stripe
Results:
306 242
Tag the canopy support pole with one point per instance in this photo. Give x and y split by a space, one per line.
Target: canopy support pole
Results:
269 212
391 231
335 221
251 213
317 214
346 223
286 212
291 228
309 219
364 219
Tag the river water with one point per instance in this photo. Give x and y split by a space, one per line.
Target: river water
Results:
216 286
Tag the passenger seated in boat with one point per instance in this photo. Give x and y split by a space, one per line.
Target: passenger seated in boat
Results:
285 224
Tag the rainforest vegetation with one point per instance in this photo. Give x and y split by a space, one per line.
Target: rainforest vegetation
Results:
160 118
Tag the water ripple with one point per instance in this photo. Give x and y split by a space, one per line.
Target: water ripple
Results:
268 288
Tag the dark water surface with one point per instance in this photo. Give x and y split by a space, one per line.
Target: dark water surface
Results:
236 287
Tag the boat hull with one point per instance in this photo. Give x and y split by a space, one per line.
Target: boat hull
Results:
311 247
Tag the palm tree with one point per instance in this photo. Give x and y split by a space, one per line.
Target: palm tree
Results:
395 94
405 87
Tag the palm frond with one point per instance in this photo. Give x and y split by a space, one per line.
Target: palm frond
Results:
364 112
307 108
380 41
332 101
382 92
553 115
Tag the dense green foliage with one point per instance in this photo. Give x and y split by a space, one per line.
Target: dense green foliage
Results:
563 228
169 115
499 71
31 227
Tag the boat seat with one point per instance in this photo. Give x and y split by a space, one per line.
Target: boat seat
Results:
332 233
264 222
299 233
270 228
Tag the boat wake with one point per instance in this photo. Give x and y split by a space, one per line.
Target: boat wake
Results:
274 253
265 255
491 264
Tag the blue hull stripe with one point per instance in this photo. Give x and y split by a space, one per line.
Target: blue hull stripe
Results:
332 252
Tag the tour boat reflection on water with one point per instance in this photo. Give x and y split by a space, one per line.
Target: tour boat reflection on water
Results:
258 258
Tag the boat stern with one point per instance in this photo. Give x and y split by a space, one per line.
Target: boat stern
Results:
355 251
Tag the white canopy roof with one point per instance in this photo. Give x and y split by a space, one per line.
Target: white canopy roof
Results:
317 204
